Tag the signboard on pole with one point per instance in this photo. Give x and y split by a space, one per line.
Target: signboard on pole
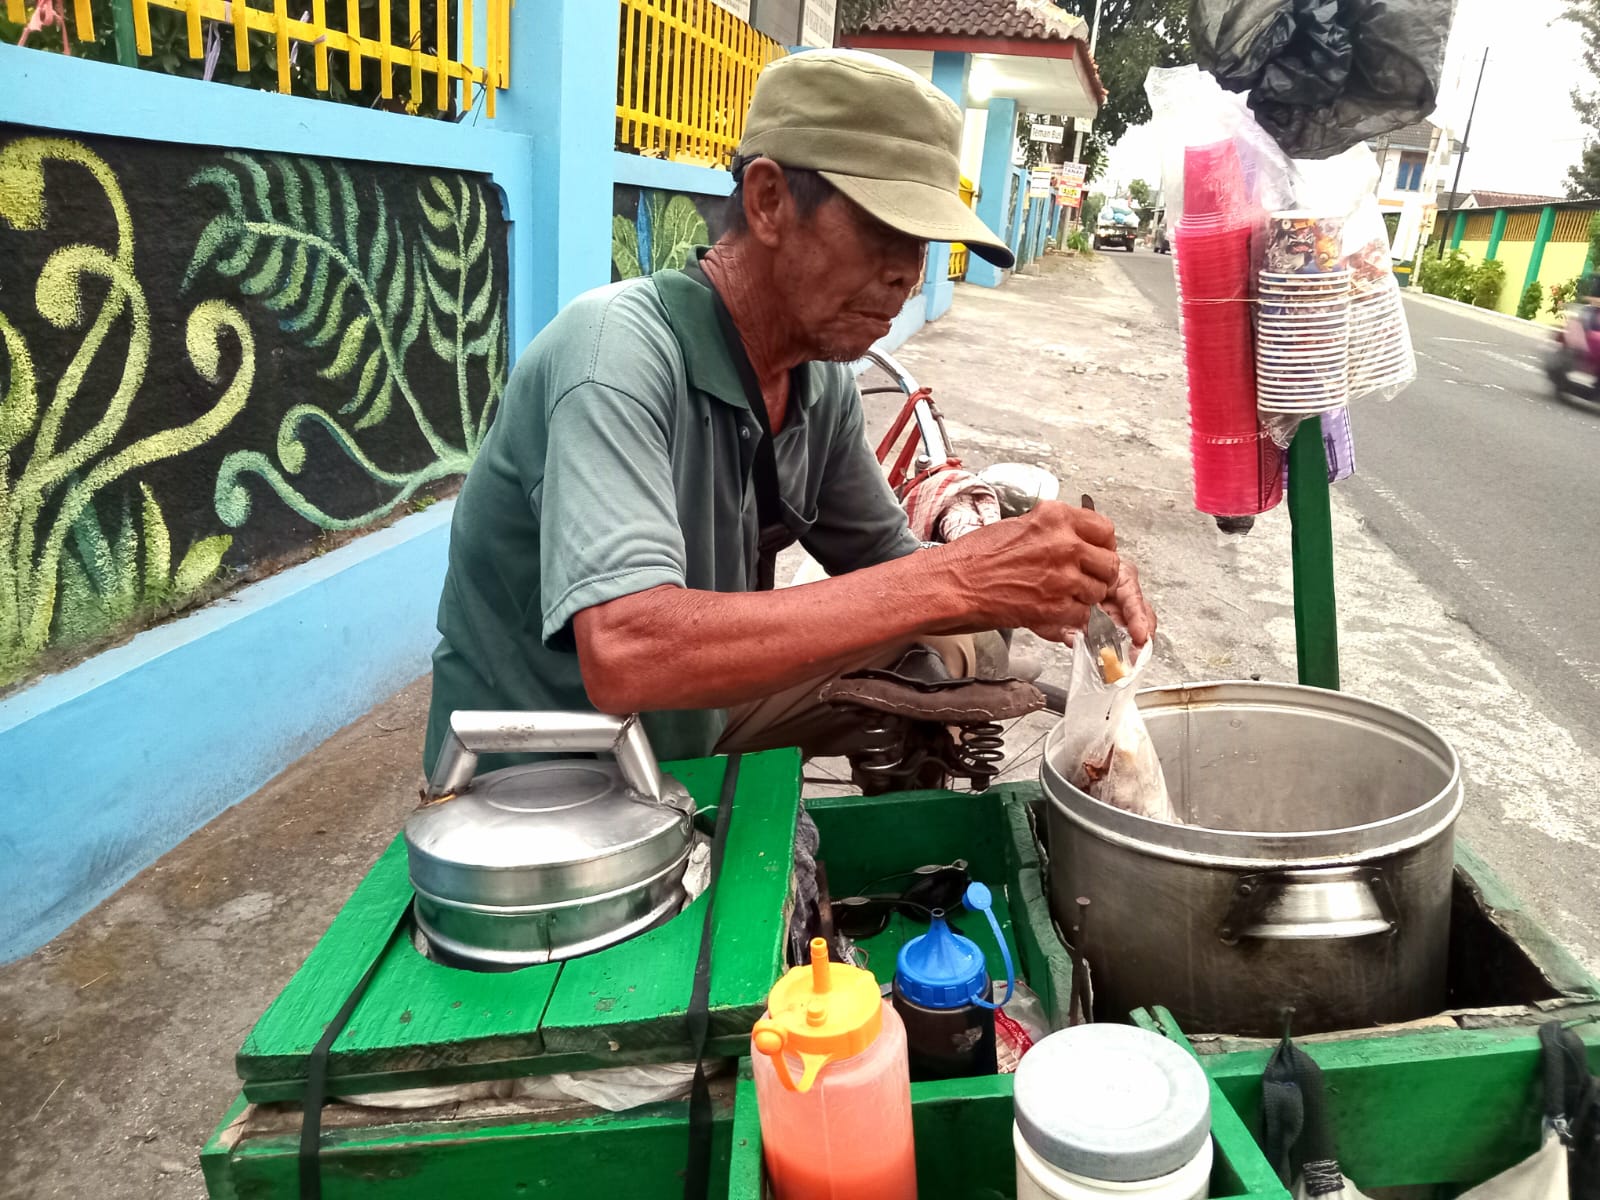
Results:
739 8
1039 182
1068 183
817 29
1048 133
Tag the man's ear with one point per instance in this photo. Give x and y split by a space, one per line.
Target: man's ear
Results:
768 206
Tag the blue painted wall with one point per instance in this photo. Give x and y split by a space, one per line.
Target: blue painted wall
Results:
994 184
109 765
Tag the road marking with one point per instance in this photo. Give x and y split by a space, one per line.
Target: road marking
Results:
1507 360
1463 341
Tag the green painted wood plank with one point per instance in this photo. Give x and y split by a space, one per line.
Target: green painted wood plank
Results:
639 1154
1564 972
421 1022
744 1158
1454 1107
634 996
1048 967
293 1023
214 1157
863 837
1240 1168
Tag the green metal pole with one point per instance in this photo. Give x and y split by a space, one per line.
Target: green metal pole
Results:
1541 239
122 29
1496 233
1460 229
1316 620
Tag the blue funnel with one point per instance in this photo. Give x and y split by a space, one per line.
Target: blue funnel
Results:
942 969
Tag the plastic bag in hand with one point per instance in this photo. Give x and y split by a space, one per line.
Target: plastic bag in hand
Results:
1324 75
1104 748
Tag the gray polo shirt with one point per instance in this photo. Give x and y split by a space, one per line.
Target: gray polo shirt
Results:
620 460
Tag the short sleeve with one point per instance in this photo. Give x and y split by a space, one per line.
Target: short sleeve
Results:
859 522
606 507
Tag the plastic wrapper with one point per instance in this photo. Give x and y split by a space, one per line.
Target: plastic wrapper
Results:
1104 749
615 1089
1018 1024
1322 77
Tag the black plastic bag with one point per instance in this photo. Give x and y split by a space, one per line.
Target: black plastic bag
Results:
1324 75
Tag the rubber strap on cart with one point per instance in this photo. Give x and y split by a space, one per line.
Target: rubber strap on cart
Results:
697 1174
317 1074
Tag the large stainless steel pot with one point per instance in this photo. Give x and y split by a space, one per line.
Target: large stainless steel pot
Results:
549 860
1313 871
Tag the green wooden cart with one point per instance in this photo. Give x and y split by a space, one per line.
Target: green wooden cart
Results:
626 1005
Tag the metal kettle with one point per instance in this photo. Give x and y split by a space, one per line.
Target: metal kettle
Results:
547 860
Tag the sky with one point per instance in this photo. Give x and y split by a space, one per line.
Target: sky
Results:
1524 133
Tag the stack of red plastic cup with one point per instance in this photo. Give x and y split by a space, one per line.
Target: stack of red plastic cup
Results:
1238 470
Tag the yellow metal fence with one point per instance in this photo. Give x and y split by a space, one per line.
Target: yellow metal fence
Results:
1572 225
685 73
392 48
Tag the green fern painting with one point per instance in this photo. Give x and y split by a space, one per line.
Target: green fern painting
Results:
359 294
210 361
655 231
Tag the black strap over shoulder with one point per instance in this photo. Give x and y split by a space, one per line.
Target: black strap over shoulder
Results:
697 1174
775 535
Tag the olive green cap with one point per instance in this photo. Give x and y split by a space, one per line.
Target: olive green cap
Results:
880 133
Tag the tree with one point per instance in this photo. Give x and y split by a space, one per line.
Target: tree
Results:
1136 35
1092 204
853 14
1139 193
1583 180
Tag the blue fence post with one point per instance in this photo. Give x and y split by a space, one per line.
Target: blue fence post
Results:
1018 214
950 77
563 94
994 184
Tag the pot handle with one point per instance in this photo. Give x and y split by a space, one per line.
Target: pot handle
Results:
1326 904
475 733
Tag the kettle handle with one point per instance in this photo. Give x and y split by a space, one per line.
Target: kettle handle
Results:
475 733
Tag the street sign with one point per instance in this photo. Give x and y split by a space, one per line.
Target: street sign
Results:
1048 133
817 30
1068 183
1039 181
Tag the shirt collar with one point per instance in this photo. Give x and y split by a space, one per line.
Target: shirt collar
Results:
692 313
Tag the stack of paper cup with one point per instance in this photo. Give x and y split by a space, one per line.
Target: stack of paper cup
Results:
1302 341
1380 342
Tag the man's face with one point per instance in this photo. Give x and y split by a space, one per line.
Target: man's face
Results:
843 276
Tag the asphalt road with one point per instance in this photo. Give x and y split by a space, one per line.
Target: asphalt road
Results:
1488 487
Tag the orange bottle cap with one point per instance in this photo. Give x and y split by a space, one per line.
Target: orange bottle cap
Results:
822 1013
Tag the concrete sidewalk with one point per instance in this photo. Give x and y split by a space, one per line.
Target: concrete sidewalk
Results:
120 1034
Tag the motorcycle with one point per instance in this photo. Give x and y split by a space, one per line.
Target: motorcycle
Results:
1573 363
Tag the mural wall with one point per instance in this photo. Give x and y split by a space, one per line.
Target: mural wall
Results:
653 230
213 361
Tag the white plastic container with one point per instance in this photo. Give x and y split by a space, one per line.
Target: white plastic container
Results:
1111 1111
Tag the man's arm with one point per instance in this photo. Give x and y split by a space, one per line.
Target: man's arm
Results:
674 648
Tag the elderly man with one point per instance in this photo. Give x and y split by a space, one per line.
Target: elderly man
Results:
662 438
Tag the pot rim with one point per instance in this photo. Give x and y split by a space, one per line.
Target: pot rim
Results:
1255 849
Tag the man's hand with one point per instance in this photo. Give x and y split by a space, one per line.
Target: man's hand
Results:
1041 571
1128 607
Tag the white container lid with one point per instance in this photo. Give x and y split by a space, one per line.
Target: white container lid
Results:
1112 1102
